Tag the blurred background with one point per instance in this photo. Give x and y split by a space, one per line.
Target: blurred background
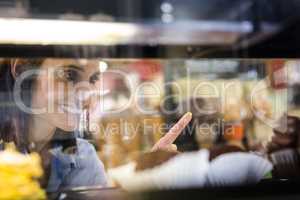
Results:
166 49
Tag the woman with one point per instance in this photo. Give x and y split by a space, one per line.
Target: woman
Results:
41 100
48 105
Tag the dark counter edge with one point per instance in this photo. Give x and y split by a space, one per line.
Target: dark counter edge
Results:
269 50
265 190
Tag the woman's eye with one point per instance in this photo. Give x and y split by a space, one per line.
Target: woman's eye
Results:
72 75
69 75
94 78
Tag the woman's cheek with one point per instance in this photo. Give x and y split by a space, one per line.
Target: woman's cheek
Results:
40 99
65 119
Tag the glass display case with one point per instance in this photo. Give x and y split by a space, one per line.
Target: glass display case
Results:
149 100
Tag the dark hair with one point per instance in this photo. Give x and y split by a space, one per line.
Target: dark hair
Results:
13 121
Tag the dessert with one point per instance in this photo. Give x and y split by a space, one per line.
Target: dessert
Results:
220 150
283 149
151 159
19 174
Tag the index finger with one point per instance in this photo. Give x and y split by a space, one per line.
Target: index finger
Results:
174 132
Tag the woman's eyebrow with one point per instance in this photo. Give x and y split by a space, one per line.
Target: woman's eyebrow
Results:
95 74
75 67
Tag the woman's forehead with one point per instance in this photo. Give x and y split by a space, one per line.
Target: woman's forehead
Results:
84 63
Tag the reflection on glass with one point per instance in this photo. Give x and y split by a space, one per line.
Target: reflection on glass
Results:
89 119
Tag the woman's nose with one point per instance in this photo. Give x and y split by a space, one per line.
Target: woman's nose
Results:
85 98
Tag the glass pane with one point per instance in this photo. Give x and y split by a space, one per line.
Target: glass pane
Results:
86 117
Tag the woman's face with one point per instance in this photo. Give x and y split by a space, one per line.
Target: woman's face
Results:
64 87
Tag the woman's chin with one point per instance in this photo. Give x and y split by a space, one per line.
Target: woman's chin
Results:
68 128
69 123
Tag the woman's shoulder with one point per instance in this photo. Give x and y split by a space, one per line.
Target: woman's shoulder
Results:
84 168
84 155
85 147
83 144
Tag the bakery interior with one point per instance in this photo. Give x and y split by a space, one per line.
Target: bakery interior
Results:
234 65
